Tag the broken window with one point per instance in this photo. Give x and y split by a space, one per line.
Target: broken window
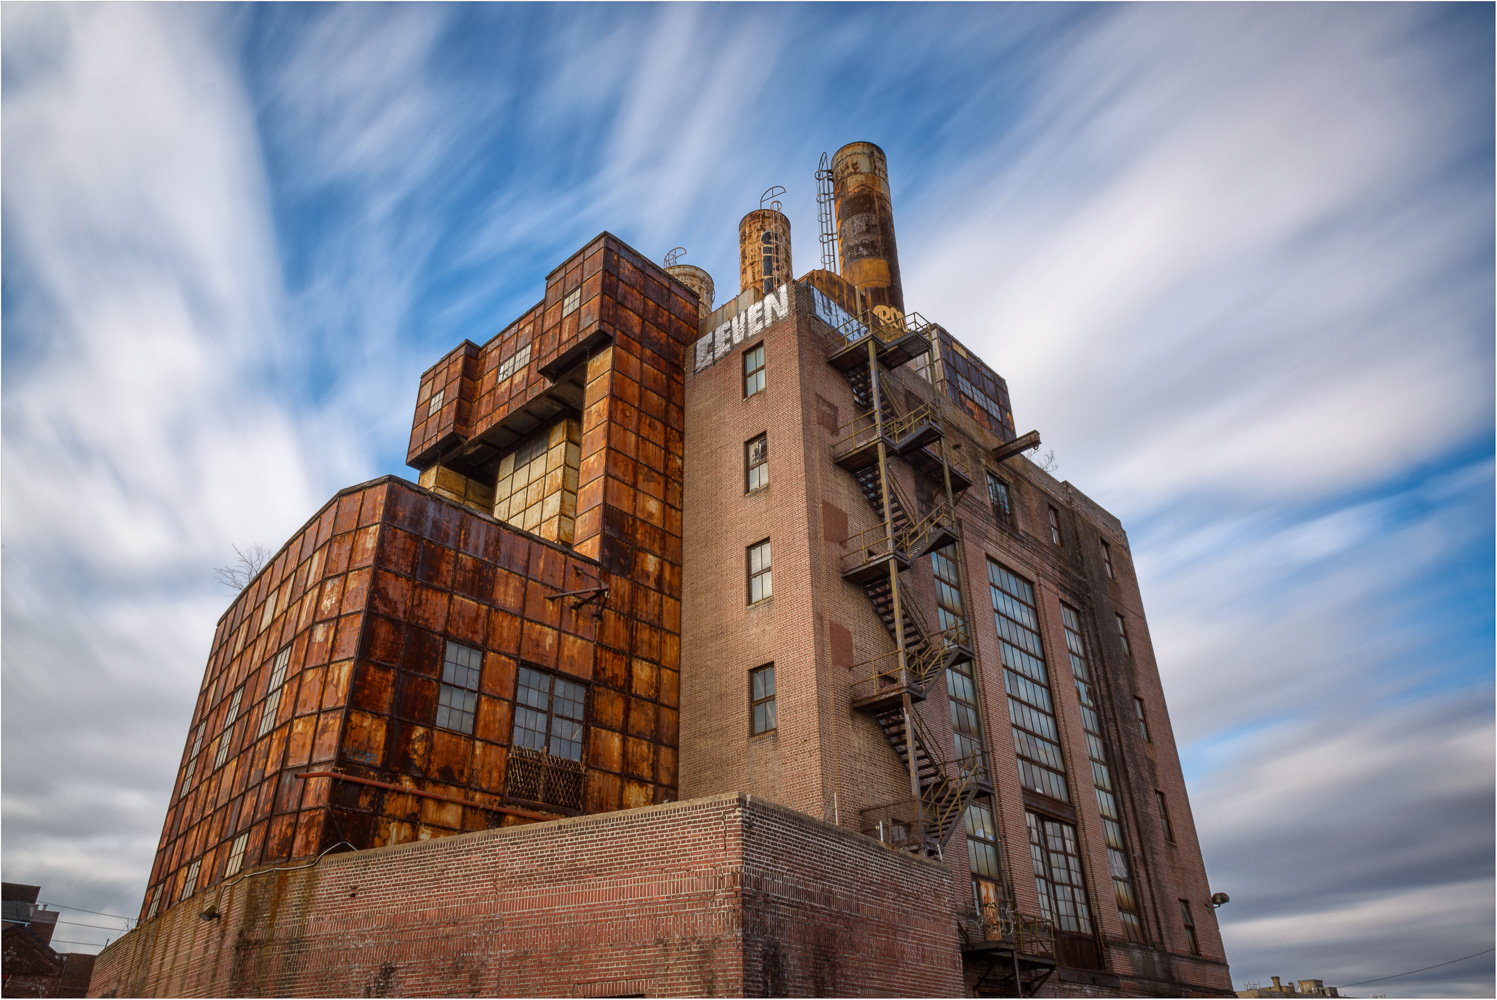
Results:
457 702
1122 634
756 463
192 758
190 883
1057 874
1164 817
1143 724
1107 561
761 700
1003 507
1054 526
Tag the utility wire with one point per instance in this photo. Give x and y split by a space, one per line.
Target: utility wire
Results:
97 913
1400 975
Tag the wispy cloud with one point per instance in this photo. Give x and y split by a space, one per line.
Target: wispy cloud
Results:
1235 262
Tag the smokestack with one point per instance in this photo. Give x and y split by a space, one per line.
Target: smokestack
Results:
865 223
764 248
1276 985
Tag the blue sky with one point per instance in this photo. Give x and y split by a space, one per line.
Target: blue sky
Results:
1235 262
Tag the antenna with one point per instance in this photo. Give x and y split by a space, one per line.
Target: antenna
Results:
674 257
824 215
772 193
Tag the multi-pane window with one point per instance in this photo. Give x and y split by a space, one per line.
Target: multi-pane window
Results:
1003 505
1122 634
1143 723
571 302
192 758
949 610
513 364
273 696
549 713
236 855
1054 526
457 702
228 733
1164 817
1107 804
155 903
1030 710
1107 561
1057 874
753 371
1190 927
436 402
761 700
190 883
760 583
756 463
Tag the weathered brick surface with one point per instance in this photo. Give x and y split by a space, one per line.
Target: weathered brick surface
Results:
831 761
728 896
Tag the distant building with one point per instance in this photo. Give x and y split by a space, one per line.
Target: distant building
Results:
785 551
32 968
1304 988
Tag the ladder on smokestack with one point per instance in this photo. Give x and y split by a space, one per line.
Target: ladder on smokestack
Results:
824 214
941 785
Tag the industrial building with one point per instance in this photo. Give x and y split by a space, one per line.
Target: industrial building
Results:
738 648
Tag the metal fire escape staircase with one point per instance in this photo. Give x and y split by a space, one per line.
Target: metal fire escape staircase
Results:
888 687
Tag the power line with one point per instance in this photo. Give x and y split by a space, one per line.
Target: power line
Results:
97 913
1412 971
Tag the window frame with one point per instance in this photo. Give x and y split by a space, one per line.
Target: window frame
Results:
1003 511
754 376
766 701
271 706
550 736
1187 920
236 855
221 757
1143 721
749 469
449 682
1164 817
1117 617
1107 559
765 573
190 880
1056 538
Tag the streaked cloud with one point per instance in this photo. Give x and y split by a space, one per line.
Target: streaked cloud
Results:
1235 262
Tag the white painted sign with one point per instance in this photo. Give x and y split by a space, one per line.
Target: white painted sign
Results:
746 326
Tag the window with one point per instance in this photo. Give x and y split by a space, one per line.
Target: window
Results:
228 735
1054 526
1123 634
756 463
571 302
753 371
1030 711
1143 723
1057 874
1107 803
458 699
1107 561
514 363
155 903
760 585
1190 927
548 714
236 855
1003 506
273 695
436 402
761 700
192 758
190 883
1164 817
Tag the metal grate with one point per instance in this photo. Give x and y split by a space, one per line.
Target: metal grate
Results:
536 776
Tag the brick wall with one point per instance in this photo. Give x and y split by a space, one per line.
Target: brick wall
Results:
714 897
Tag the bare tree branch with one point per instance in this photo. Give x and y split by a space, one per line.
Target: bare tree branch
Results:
246 566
